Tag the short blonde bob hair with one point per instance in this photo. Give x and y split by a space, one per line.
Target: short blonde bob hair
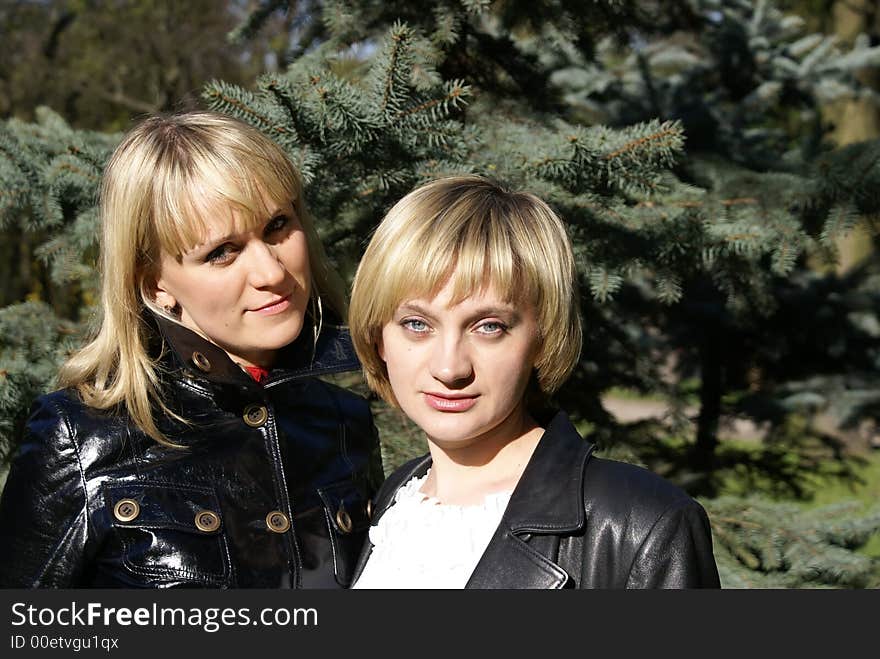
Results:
158 189
473 232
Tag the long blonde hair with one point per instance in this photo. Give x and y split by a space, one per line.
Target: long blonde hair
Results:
470 231
154 191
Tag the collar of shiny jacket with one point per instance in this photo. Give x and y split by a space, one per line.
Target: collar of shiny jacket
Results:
548 499
333 352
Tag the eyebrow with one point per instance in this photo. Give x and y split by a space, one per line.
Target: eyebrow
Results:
479 312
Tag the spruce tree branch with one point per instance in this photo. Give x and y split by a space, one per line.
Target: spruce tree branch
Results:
81 172
395 54
427 105
12 194
787 534
249 111
735 521
739 237
662 137
126 101
739 201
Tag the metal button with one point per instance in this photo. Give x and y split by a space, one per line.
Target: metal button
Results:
126 510
343 520
255 415
277 522
369 509
201 362
207 521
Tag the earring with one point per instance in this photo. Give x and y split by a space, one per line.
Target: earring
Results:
173 311
317 320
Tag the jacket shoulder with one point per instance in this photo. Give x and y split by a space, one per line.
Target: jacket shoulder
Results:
43 505
62 416
665 534
629 487
52 419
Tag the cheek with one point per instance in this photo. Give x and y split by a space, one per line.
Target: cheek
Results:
296 256
212 295
207 299
402 361
513 369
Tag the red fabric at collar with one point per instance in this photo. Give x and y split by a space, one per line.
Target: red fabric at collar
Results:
258 373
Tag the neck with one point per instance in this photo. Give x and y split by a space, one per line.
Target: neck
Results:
493 462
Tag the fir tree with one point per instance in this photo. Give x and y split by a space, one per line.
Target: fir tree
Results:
662 133
776 545
690 261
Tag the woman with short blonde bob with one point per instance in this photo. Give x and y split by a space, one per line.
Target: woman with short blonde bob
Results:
464 313
191 443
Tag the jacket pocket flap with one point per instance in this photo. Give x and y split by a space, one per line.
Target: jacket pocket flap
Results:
346 507
162 505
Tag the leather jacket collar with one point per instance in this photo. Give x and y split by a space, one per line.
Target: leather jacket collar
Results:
547 500
333 352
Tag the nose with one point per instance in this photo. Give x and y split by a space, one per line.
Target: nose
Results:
451 362
266 268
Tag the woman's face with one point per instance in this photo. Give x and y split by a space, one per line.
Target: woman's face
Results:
460 372
245 291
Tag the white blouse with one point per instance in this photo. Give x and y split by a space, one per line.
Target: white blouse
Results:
422 543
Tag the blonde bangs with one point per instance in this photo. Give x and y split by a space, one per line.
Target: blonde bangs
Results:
187 202
451 247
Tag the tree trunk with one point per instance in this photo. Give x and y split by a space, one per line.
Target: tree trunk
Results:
711 389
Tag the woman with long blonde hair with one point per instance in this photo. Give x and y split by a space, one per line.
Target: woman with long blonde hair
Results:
191 442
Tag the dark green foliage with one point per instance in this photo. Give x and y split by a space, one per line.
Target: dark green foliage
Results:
775 545
32 344
681 143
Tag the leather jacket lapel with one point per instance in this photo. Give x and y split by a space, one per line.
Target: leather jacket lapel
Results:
547 501
549 495
510 562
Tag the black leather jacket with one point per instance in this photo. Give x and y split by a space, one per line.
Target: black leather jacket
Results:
577 521
270 489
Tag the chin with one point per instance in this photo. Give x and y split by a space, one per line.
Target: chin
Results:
453 443
283 334
452 433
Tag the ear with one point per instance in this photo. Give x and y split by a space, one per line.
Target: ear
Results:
160 294
380 347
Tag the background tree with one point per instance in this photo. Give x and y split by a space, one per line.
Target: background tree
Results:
693 254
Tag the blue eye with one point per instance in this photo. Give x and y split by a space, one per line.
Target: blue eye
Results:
492 328
415 325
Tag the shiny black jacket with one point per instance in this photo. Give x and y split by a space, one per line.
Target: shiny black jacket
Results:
269 490
577 521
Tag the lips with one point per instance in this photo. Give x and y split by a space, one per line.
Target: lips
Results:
450 403
275 306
